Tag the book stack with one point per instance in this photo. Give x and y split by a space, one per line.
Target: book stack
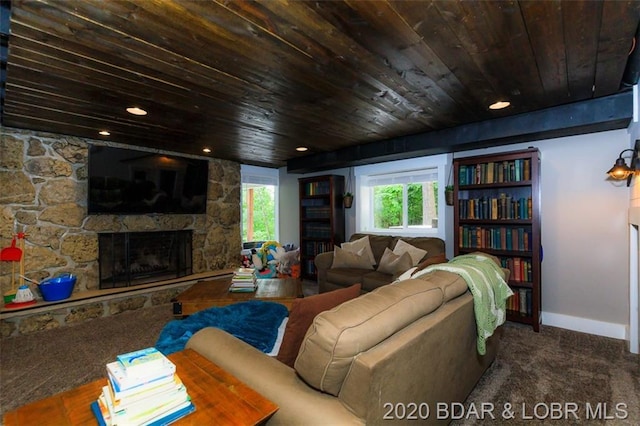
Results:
142 389
244 280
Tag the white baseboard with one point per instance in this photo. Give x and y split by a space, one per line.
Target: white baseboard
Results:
584 325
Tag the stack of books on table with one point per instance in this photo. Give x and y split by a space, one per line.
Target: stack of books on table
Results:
142 389
244 280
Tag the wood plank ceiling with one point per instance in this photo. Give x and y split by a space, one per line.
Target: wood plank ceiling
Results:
254 80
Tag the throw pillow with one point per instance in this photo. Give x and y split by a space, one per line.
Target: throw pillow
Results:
346 259
392 264
440 258
359 244
416 253
303 311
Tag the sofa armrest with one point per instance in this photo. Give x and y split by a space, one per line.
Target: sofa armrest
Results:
323 262
297 402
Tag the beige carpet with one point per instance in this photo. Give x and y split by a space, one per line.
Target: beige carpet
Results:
573 373
42 364
553 366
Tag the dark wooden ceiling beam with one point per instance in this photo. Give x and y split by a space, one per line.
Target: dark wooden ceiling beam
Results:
601 114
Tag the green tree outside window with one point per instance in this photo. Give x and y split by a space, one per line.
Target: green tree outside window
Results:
259 222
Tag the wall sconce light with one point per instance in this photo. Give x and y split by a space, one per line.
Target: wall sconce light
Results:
620 170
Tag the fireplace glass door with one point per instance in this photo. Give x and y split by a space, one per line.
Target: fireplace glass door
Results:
133 258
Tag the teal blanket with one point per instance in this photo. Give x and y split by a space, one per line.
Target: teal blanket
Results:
490 292
255 322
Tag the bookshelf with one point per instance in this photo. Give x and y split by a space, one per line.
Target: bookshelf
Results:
321 219
497 211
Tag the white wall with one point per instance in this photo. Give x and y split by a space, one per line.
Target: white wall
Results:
634 238
585 279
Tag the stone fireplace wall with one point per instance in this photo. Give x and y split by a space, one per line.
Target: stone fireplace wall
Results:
43 192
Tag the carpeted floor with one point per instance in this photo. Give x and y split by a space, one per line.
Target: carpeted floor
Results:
39 365
578 375
547 369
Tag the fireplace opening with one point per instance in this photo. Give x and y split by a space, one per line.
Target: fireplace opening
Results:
132 258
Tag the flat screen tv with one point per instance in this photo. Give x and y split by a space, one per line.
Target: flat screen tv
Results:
129 181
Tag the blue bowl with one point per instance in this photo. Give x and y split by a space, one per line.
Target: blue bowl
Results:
57 288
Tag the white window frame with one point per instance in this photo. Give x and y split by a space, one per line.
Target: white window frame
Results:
262 176
406 168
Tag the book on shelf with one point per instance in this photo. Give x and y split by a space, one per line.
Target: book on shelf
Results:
521 302
503 207
317 188
495 237
517 170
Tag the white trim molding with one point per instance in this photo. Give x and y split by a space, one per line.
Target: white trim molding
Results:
634 280
585 325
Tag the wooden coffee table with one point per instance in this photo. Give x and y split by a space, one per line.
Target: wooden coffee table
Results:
210 293
219 398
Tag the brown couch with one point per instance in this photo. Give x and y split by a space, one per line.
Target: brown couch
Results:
333 278
409 342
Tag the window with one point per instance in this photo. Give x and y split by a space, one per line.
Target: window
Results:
259 204
402 197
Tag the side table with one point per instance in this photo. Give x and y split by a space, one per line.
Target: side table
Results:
219 398
215 293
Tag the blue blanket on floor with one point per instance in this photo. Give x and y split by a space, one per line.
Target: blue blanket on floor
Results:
255 322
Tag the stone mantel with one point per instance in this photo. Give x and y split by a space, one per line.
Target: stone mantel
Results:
85 306
43 177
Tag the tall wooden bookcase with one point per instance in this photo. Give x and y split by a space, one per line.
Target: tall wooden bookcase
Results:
497 211
321 219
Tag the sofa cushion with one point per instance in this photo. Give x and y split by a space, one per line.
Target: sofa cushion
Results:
374 279
452 285
337 336
393 264
346 259
358 245
303 311
416 253
346 276
432 245
378 243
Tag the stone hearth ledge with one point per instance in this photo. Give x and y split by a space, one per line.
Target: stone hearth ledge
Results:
15 322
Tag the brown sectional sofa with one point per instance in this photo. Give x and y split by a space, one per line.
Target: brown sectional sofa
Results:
333 278
409 342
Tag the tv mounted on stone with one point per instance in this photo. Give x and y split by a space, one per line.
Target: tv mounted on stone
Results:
129 181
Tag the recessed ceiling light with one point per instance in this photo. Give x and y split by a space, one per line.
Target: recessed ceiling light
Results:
302 148
136 111
104 133
207 150
499 105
